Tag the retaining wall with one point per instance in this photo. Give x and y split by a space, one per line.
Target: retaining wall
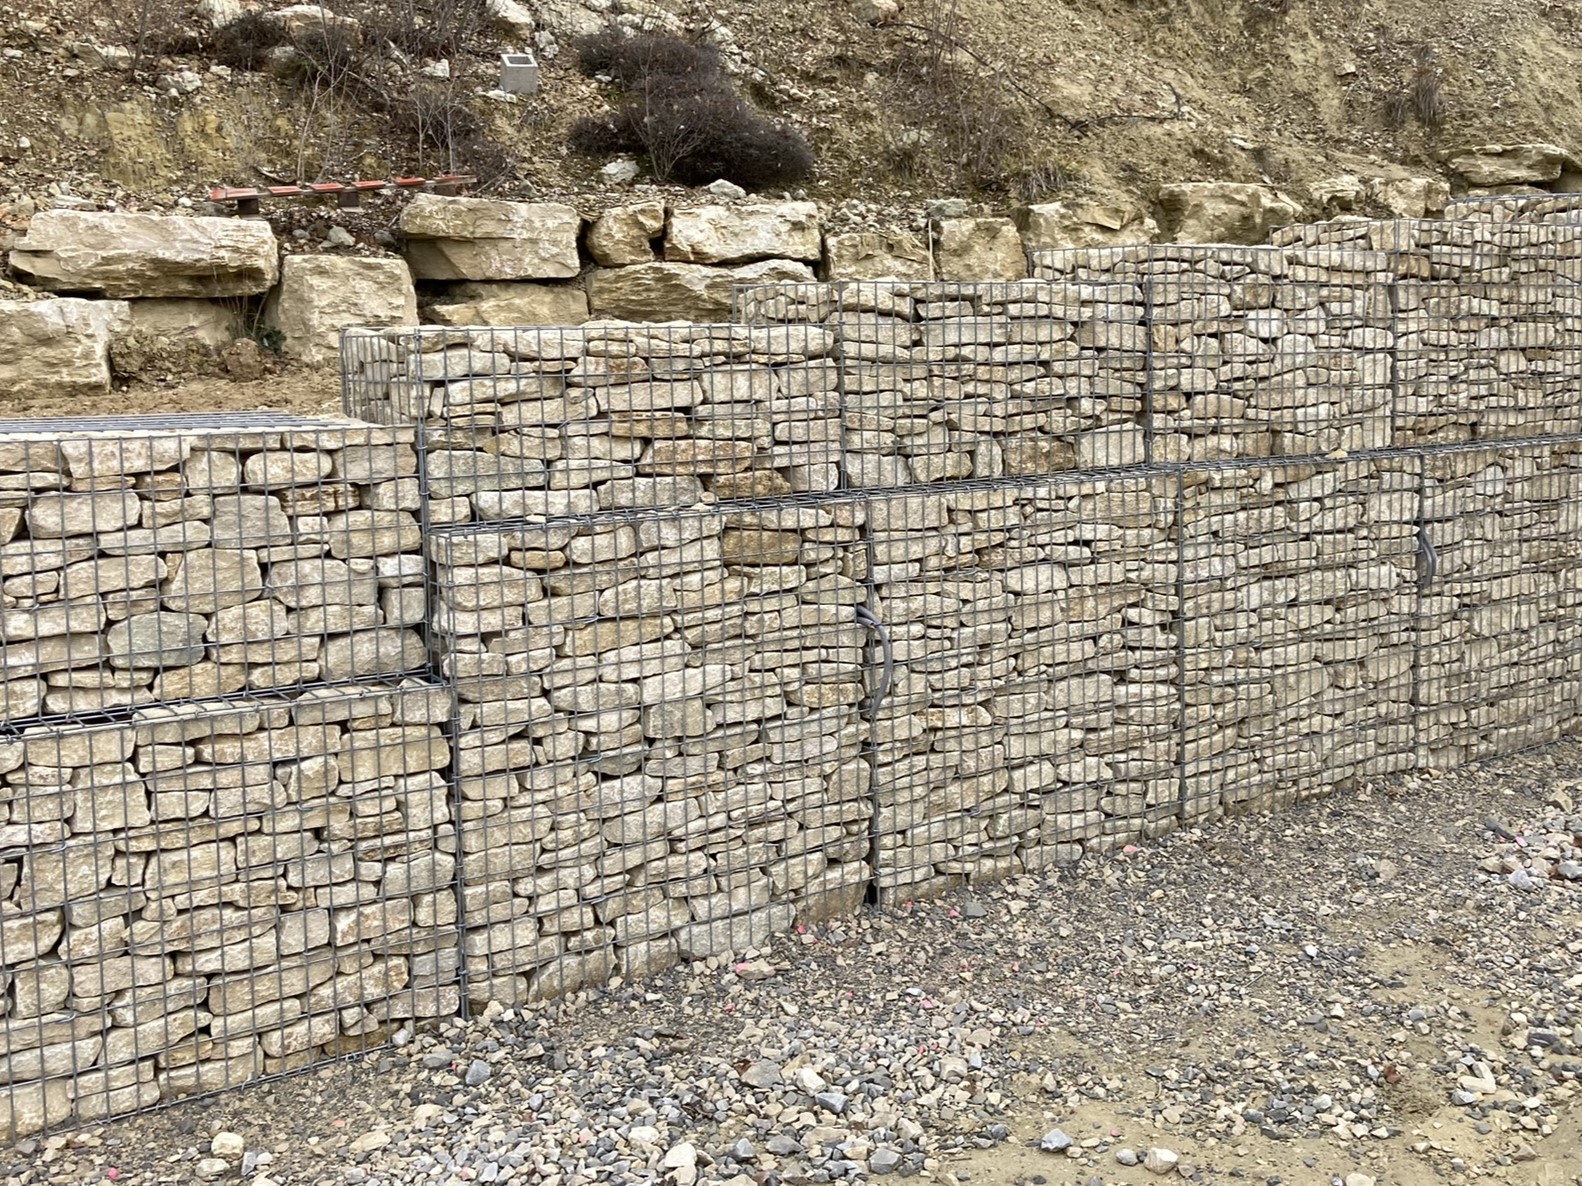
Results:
623 645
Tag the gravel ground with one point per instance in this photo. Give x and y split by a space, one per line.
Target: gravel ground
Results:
1383 989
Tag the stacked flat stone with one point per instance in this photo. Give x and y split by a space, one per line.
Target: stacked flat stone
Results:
1298 619
556 421
1033 710
948 382
1487 362
658 748
211 892
147 565
1501 664
1469 251
1191 354
1513 208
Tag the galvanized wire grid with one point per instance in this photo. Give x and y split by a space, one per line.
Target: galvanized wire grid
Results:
214 777
193 558
207 893
659 736
721 628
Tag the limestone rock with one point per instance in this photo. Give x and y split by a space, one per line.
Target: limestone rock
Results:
209 324
1053 225
58 347
692 292
571 18
481 239
875 12
507 303
1224 211
173 336
622 236
296 21
1343 192
510 19
742 234
978 249
147 255
1412 197
1513 164
220 13
319 295
877 255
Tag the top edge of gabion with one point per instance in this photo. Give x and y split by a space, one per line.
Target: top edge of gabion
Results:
185 423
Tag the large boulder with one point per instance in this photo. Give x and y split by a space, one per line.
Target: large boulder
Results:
506 303
1513 164
978 249
507 18
482 239
147 255
320 295
1054 225
58 347
624 236
682 292
174 336
1224 211
877 255
742 234
1412 197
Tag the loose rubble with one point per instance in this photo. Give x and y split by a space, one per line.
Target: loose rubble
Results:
1231 1003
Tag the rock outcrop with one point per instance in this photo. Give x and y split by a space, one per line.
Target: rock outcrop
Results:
1224 211
681 292
978 249
481 239
743 234
624 235
877 255
1053 225
506 303
147 255
320 295
1513 164
58 347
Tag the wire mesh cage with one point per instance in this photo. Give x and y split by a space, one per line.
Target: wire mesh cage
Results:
529 422
589 650
1501 647
1032 709
659 734
1486 361
952 382
202 894
167 559
1299 588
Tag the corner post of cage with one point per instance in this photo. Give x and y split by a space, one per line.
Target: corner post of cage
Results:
346 369
1148 355
434 647
1178 526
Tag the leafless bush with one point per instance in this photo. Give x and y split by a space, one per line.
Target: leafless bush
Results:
423 28
634 61
1396 109
447 134
978 122
147 27
680 111
1427 87
244 44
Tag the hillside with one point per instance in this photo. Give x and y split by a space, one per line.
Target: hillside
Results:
134 103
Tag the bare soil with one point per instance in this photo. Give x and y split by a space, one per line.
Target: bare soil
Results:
1101 97
301 390
1212 993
